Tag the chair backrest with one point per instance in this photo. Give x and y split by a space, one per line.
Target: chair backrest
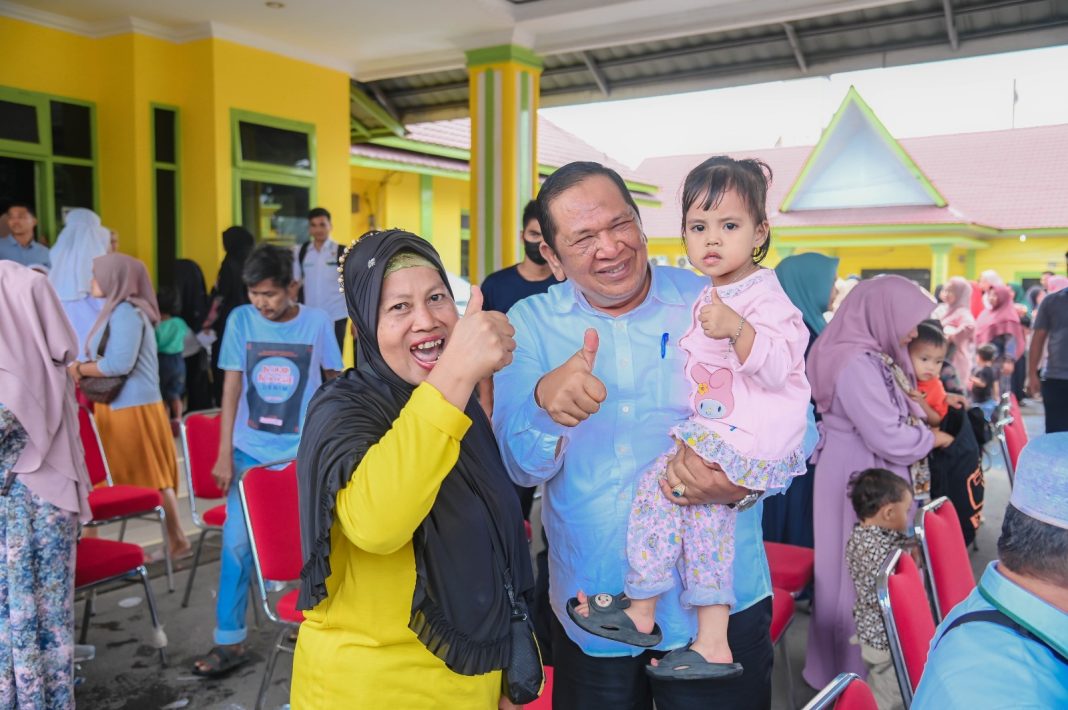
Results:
272 518
1017 419
1015 440
907 617
200 449
95 460
945 554
846 692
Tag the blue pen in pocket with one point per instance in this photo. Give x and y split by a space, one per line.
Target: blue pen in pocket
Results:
663 345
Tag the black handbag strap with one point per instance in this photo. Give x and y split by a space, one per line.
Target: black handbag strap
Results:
102 346
996 616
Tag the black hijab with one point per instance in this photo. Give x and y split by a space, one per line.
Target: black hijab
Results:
460 610
192 292
230 286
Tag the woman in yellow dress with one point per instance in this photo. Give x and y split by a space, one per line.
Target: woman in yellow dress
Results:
409 524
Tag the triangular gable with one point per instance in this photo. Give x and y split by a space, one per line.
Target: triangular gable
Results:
857 163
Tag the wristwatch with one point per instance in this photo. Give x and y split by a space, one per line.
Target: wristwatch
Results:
746 503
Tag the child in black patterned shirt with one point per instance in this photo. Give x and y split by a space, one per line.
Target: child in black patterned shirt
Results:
881 500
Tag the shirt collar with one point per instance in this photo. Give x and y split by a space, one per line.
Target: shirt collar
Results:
1040 617
663 289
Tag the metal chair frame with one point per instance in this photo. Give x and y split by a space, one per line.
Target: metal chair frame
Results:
281 642
142 572
826 698
205 529
882 589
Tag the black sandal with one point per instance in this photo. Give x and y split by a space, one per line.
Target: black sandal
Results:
607 620
687 664
220 661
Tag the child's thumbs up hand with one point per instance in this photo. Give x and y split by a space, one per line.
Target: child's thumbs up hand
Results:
718 320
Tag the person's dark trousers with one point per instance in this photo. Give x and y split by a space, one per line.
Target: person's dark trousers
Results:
582 682
339 332
198 382
1019 377
541 610
1055 400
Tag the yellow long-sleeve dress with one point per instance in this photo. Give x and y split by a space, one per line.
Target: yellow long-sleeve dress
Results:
355 649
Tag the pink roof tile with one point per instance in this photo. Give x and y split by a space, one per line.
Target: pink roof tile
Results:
1011 179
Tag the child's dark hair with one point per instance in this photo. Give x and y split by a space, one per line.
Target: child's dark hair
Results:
268 261
987 352
170 303
873 488
710 180
930 332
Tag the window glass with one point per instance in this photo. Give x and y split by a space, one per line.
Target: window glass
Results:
18 122
277 146
164 139
276 213
74 188
166 223
71 130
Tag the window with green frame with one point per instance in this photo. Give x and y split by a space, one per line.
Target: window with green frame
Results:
274 176
48 155
165 190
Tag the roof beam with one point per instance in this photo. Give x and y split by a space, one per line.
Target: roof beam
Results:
951 27
795 45
598 75
384 100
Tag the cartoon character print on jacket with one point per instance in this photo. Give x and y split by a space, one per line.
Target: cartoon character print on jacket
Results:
714 398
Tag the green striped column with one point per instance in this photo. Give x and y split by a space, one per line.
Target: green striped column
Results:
504 93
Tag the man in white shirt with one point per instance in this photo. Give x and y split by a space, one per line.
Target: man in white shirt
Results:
315 266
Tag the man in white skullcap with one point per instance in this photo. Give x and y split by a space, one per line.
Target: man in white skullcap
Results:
1006 644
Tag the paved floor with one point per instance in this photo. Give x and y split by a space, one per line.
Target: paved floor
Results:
126 675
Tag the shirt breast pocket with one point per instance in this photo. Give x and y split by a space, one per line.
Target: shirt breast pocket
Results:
672 383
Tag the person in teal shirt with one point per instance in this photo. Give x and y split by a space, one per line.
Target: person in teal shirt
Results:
170 342
1006 644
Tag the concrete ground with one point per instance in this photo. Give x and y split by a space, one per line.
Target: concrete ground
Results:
126 674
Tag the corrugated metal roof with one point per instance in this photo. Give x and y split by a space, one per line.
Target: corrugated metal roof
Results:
897 33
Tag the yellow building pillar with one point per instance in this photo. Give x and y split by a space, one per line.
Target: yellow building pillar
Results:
939 264
504 91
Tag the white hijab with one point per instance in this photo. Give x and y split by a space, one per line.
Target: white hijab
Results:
81 241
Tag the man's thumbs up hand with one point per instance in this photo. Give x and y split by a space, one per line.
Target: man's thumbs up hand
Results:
571 392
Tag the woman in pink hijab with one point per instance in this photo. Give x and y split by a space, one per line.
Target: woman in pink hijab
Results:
959 325
858 369
999 324
44 493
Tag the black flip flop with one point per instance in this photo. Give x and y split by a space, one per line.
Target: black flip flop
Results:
607 620
221 661
687 664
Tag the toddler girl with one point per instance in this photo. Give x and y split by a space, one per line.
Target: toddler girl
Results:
749 395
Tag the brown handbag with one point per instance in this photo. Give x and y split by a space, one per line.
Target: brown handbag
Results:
104 390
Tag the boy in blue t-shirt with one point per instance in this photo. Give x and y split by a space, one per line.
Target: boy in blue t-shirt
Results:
272 354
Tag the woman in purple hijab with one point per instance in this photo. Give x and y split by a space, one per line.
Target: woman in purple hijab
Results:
867 422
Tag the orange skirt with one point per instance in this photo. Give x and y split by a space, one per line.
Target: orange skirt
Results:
139 445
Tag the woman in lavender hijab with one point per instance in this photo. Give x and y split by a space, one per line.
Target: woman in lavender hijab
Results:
868 421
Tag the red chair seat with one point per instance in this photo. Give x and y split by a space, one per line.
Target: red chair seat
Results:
792 566
856 696
545 701
215 516
100 559
109 502
782 612
286 608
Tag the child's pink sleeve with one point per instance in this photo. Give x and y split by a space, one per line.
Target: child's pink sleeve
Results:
779 346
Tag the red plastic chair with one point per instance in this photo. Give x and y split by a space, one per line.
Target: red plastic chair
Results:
100 561
545 700
200 448
907 616
792 566
110 503
1014 441
949 570
272 517
845 692
782 615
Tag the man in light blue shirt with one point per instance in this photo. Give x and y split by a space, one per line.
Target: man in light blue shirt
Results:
596 383
1006 644
20 246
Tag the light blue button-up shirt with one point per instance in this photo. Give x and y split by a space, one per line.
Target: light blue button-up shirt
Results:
985 665
30 255
589 488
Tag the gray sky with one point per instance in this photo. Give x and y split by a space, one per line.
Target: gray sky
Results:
957 96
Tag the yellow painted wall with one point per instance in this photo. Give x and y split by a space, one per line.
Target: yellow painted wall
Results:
1012 258
451 197
204 79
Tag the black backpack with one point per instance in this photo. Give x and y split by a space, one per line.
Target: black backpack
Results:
300 260
957 472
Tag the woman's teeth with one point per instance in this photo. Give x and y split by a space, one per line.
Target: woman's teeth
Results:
428 352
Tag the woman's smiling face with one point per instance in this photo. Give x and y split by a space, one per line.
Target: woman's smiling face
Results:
416 315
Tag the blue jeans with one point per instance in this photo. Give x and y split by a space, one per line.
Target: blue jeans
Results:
236 566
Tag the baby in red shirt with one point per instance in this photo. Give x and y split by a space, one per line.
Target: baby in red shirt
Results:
927 352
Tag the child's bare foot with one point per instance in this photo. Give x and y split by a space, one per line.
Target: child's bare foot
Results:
642 612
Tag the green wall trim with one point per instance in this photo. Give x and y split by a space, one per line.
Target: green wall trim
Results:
889 241
647 202
503 53
442 151
361 161
240 115
853 98
426 207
